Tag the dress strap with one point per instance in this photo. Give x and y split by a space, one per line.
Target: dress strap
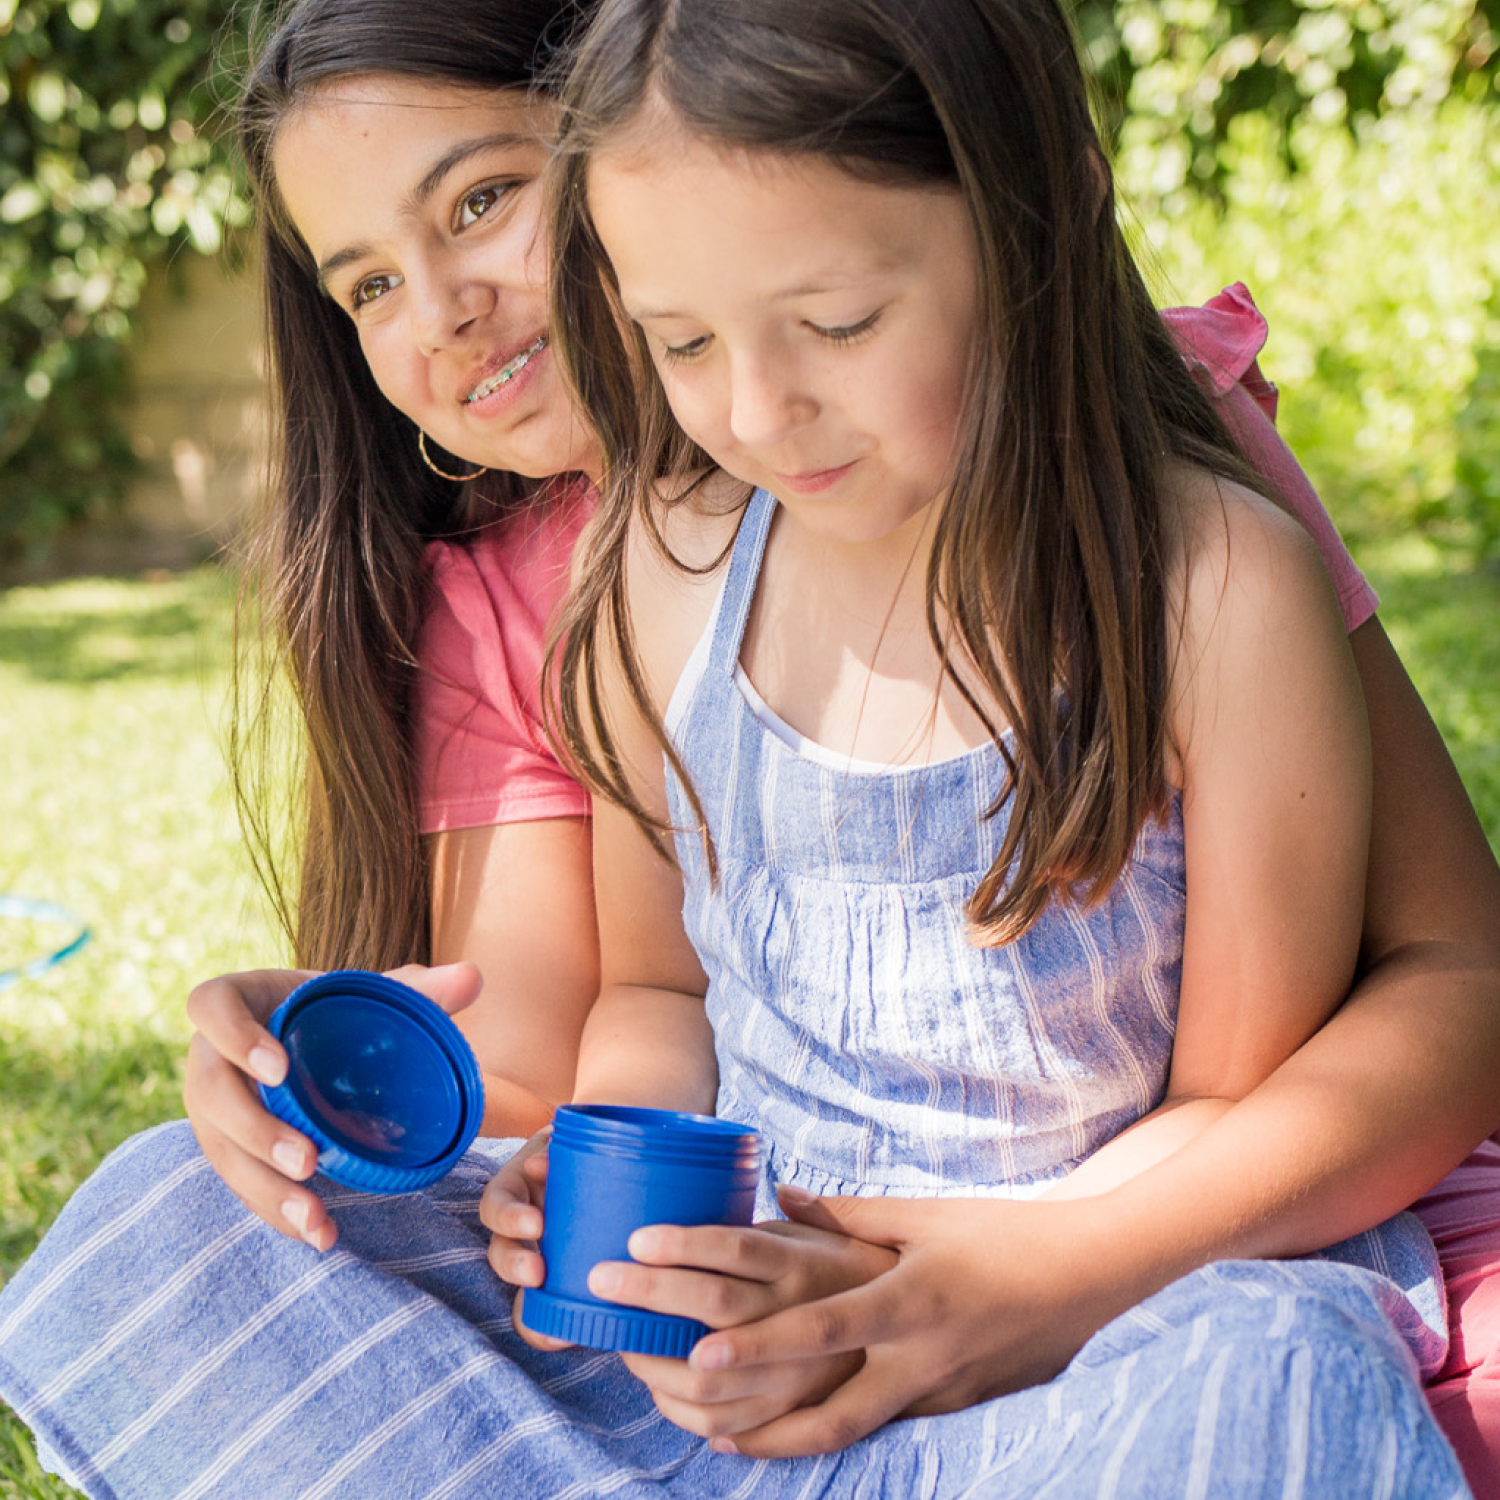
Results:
739 582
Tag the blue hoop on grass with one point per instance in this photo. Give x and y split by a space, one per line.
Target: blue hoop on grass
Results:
24 908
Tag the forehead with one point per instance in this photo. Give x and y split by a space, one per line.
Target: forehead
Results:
356 146
684 218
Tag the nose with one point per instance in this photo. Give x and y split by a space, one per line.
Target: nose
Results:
768 401
443 304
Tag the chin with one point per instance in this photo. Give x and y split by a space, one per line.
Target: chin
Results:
565 452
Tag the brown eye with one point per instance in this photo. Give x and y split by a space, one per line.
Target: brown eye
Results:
474 205
371 289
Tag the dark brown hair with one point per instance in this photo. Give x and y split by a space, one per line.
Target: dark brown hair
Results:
1048 565
334 592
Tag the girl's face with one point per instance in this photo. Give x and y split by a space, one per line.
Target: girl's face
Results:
420 203
812 331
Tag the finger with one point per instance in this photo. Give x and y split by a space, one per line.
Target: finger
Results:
742 1398
511 1202
227 1011
510 1217
866 1315
722 1420
287 1207
218 1096
750 1254
453 986
516 1261
719 1301
879 1392
878 1221
536 1340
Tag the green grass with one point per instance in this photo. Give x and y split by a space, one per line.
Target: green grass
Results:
115 803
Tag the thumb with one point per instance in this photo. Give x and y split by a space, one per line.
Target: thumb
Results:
453 986
877 1221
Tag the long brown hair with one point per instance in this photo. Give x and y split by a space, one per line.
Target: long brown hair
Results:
1048 570
334 593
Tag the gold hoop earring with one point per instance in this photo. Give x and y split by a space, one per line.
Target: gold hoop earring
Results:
443 473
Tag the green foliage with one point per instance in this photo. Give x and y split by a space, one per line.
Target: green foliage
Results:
1235 124
1377 263
105 162
1175 73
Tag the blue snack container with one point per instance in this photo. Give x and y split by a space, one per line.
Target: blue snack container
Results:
612 1170
379 1077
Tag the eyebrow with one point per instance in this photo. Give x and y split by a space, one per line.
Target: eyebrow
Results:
446 163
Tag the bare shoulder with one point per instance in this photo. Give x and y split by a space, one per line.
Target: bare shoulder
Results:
1232 546
1250 600
674 572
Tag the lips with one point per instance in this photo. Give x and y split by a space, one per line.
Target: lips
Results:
810 481
492 381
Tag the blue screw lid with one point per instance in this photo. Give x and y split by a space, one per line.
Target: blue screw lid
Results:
378 1077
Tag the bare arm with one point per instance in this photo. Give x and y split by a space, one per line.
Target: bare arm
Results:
648 1041
517 901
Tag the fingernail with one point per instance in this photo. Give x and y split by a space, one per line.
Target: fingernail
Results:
790 1193
294 1211
604 1281
266 1065
709 1356
644 1243
289 1156
723 1445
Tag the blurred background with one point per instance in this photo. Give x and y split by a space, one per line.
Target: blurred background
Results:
1341 157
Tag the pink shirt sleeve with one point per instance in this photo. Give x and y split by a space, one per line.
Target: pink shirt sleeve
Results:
1221 340
482 756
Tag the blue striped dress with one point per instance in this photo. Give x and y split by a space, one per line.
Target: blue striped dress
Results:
162 1343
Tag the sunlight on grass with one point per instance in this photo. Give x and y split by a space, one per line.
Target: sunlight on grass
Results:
116 806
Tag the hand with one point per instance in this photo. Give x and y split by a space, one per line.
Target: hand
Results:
511 1209
261 1160
988 1296
737 1276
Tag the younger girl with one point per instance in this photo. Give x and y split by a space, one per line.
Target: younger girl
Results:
1004 661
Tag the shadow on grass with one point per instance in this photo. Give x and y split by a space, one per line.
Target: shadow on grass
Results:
85 632
1444 619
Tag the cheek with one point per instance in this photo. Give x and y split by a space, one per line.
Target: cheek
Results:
696 404
528 236
387 354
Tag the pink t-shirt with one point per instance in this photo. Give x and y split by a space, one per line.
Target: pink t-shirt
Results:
1221 341
482 754
482 757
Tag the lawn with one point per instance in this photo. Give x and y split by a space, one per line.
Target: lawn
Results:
116 807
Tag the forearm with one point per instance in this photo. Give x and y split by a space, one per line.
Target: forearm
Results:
1361 1121
511 1109
1152 1139
648 1047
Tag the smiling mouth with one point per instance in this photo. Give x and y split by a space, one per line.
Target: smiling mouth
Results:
507 372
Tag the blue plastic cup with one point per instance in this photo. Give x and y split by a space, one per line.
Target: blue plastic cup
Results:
612 1170
378 1077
